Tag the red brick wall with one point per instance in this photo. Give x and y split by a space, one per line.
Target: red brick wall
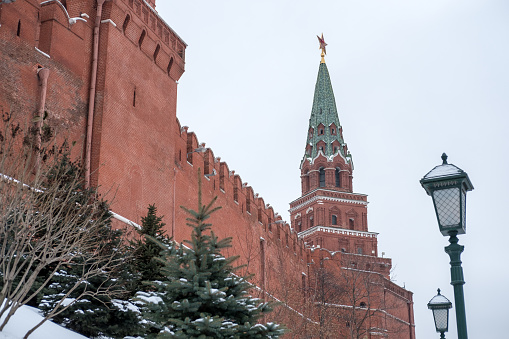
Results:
135 120
19 61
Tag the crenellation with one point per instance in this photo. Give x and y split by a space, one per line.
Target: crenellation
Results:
156 33
242 195
245 198
157 25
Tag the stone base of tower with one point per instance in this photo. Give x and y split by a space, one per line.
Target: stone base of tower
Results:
348 244
350 299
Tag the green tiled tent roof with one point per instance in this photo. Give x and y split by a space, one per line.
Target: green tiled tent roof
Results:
324 112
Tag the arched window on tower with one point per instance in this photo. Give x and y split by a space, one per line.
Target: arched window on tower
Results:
333 129
334 219
321 129
322 146
351 223
338 177
306 182
335 146
322 177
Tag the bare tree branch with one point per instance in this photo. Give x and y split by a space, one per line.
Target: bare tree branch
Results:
47 220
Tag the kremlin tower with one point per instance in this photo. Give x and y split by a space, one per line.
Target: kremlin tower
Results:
329 214
352 289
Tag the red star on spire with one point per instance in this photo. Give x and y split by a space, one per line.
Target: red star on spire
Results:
322 44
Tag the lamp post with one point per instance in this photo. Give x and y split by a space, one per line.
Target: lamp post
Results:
440 306
448 186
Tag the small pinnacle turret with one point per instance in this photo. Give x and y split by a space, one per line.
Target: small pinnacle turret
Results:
325 132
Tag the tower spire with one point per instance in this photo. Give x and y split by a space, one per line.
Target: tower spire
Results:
324 133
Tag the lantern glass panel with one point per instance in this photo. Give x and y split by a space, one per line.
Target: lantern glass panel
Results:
463 208
447 204
441 319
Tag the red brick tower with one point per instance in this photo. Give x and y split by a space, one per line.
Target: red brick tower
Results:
332 221
328 214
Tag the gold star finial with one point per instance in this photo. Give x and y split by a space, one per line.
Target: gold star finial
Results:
322 47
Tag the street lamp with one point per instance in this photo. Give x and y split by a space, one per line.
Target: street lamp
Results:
448 186
440 306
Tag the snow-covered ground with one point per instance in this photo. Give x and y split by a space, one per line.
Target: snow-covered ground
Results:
26 318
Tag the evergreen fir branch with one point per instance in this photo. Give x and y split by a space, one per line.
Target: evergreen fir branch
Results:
200 296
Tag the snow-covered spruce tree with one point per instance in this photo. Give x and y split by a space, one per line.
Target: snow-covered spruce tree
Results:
103 315
201 297
145 267
102 309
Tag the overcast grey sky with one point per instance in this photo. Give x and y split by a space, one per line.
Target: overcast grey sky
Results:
412 79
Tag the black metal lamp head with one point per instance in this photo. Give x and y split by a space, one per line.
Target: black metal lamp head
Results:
440 306
448 186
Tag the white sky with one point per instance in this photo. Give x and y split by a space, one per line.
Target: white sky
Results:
412 79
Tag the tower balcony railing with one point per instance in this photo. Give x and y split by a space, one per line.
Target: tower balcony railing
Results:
337 230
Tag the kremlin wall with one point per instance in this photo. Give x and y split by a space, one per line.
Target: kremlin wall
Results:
107 71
